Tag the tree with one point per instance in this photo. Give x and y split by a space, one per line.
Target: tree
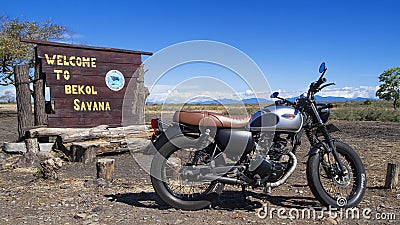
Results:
14 52
16 61
389 89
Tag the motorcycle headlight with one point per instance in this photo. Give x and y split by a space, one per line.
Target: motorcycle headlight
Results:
324 112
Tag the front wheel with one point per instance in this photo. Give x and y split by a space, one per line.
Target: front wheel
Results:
328 185
173 188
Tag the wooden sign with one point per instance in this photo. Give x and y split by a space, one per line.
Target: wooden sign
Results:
88 84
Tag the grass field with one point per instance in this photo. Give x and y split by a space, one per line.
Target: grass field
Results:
350 110
366 111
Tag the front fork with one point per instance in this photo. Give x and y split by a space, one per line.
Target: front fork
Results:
331 148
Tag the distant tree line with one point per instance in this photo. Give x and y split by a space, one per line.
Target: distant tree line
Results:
8 96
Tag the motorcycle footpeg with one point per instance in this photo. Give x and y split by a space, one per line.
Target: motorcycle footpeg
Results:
267 190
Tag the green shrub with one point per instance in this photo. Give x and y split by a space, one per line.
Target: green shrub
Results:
368 102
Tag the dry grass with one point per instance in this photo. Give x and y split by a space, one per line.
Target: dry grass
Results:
8 107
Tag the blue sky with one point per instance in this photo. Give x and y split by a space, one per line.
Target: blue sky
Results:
287 39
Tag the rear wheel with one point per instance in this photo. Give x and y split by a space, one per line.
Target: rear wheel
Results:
168 182
329 186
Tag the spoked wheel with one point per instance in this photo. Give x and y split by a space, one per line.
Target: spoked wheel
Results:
331 187
171 178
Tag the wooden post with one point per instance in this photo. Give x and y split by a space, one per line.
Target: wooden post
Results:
105 169
39 99
83 153
24 106
392 176
32 145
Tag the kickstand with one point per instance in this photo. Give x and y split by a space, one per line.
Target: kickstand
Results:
244 193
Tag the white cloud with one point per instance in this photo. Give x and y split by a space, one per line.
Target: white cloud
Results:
346 92
186 93
290 94
351 92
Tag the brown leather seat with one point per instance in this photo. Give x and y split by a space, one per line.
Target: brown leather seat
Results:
205 118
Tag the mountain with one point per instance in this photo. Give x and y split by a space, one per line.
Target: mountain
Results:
333 99
256 101
338 99
227 101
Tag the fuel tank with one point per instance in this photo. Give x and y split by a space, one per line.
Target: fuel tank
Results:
276 118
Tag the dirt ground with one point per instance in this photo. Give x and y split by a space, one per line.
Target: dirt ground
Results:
131 199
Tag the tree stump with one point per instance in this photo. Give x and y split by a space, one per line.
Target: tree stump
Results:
392 176
105 169
32 145
83 153
30 157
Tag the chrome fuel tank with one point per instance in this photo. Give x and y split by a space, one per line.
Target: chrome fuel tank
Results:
276 118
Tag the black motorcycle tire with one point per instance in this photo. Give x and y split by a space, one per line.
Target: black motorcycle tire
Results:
314 182
160 187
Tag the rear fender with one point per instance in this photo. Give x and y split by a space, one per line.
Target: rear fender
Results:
171 133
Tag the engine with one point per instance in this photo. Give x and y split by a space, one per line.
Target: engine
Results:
271 160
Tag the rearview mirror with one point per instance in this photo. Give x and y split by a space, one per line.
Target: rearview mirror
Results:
322 67
274 95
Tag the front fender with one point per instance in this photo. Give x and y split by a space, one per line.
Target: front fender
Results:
320 146
313 150
316 149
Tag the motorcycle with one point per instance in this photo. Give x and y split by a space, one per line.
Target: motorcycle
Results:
201 152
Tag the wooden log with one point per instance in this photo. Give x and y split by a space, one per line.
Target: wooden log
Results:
19 147
105 169
83 153
23 92
82 134
32 145
392 176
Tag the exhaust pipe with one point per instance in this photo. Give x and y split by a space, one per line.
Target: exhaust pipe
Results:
286 176
229 180
224 180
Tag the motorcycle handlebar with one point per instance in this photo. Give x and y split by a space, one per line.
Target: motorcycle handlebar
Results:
320 81
326 85
314 87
